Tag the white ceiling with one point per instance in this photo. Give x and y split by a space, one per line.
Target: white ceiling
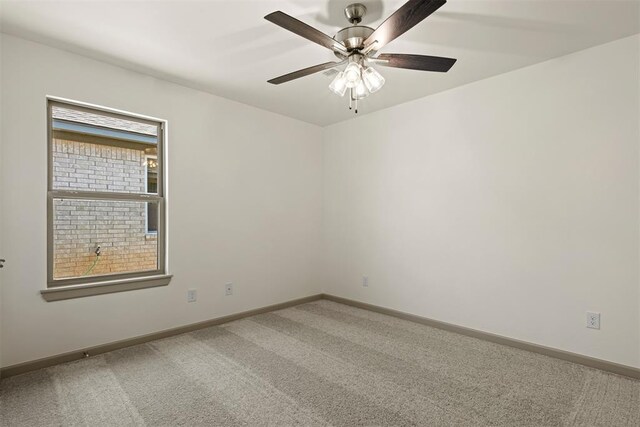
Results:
228 49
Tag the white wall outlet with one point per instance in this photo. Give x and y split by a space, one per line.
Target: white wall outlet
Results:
593 320
365 281
228 289
192 295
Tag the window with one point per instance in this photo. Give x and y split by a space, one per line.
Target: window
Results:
106 205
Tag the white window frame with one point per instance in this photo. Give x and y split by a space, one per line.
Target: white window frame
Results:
58 289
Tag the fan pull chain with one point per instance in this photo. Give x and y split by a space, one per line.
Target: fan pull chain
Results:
353 101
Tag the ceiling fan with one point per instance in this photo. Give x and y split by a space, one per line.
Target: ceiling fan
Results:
356 47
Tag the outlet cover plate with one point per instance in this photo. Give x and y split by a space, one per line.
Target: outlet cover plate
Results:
593 320
228 289
365 281
192 295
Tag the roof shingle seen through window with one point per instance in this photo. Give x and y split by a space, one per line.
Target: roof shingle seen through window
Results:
102 120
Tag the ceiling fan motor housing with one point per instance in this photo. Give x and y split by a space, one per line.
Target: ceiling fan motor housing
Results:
353 37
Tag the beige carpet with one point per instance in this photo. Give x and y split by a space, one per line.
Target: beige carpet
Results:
320 363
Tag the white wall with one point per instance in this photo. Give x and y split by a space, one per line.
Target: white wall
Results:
245 205
509 205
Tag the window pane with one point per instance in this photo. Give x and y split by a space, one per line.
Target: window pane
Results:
152 218
152 188
152 174
96 152
118 228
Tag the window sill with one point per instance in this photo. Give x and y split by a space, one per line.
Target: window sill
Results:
92 289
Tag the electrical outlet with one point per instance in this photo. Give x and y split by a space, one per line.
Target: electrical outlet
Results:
593 320
192 295
365 281
228 289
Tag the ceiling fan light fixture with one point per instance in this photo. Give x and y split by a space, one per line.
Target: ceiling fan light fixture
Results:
372 79
352 74
339 84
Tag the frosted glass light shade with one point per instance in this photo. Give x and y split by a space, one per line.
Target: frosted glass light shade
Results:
352 74
372 79
360 90
339 84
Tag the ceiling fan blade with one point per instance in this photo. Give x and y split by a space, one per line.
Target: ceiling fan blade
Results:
416 62
305 72
308 32
402 20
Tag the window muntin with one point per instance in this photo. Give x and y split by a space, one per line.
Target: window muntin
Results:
99 196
